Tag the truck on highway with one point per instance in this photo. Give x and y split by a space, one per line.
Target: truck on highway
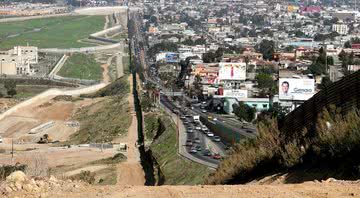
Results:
196 118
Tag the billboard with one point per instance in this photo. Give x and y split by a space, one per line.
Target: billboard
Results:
232 71
172 57
296 89
235 93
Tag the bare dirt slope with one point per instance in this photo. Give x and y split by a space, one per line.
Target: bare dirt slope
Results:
337 189
131 172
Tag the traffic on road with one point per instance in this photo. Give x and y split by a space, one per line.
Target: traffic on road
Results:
200 141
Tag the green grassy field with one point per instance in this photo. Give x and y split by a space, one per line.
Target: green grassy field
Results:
176 170
59 32
81 66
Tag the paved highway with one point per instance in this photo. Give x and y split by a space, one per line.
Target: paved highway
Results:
194 143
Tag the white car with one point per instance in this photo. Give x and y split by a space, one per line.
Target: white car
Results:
198 128
215 119
210 134
204 111
217 139
1 140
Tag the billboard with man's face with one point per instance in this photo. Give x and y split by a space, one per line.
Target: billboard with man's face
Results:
296 89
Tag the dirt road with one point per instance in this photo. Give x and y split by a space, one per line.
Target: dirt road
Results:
131 172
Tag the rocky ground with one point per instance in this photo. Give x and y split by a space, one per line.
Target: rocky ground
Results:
19 185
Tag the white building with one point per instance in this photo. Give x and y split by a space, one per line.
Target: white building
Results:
18 61
340 28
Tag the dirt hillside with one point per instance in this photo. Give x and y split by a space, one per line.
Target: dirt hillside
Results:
18 187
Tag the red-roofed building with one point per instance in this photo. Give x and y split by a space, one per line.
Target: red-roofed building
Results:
310 9
355 46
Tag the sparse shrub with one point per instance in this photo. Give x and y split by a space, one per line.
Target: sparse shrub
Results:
85 176
6 170
336 141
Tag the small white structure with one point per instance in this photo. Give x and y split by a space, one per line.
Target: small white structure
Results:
340 28
18 61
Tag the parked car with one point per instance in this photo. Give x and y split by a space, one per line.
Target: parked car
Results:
190 131
204 111
198 148
217 139
1 140
215 119
198 128
182 117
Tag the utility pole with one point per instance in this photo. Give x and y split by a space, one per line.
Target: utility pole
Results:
12 148
102 140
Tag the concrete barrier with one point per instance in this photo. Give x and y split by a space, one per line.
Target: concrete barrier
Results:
58 66
80 50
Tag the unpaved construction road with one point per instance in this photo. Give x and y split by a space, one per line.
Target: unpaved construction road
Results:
131 171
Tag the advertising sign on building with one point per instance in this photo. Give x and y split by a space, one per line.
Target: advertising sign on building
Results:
172 57
296 89
232 71
235 93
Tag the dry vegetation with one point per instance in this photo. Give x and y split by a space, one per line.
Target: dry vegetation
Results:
107 119
335 143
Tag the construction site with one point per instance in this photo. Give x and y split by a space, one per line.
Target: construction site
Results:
41 130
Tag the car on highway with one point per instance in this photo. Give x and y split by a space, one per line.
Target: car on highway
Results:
210 134
207 152
189 143
197 140
216 156
193 150
216 139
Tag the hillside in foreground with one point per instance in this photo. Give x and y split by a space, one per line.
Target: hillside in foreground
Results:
57 188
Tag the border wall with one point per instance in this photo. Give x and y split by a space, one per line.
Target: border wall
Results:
344 93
